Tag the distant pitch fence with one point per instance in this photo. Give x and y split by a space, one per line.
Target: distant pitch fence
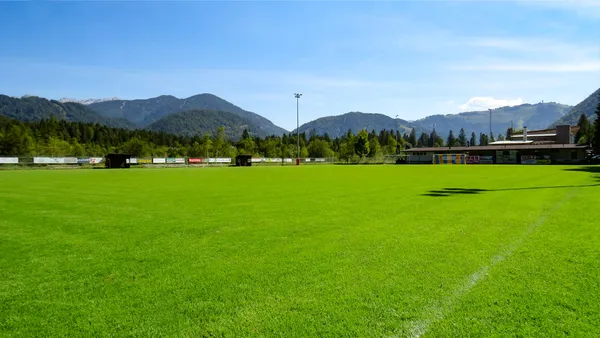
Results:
152 161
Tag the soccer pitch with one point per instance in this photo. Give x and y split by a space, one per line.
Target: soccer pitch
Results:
327 251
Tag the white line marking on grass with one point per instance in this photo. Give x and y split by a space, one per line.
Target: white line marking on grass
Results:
437 312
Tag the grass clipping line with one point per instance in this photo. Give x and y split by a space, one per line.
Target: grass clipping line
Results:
437 312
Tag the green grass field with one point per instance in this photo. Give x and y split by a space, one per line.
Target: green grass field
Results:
310 251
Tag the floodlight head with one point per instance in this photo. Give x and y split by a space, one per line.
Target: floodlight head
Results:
297 95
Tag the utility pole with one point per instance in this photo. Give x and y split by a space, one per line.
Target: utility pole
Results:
297 96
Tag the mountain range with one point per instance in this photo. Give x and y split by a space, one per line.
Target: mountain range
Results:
339 125
201 121
88 101
32 108
205 113
144 113
587 107
533 116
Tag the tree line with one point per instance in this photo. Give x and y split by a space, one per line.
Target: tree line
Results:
51 137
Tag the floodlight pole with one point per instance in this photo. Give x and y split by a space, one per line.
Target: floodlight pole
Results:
490 123
397 145
297 96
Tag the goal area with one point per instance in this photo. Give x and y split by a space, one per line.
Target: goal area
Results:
449 159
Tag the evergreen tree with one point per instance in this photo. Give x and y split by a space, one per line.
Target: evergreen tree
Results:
509 133
583 135
423 140
361 146
473 141
451 139
245 135
462 137
483 139
412 139
435 140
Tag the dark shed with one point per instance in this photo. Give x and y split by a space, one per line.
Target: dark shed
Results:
117 161
243 160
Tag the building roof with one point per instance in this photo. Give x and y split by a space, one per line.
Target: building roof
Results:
500 147
510 142
574 130
533 135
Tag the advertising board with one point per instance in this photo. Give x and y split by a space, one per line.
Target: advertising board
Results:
219 160
9 160
132 160
67 160
528 159
158 160
506 157
486 159
180 160
473 159
170 160
48 160
194 160
144 161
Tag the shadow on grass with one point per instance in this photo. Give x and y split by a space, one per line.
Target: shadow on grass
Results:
586 169
466 191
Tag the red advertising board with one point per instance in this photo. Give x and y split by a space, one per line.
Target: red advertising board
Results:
194 160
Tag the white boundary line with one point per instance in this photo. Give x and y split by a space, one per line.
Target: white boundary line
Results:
437 312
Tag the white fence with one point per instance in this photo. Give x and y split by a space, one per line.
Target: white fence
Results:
23 160
9 160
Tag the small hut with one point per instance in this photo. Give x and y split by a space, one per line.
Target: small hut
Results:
243 160
116 161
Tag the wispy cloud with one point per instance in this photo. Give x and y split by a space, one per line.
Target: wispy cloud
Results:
546 46
516 66
527 54
484 103
586 8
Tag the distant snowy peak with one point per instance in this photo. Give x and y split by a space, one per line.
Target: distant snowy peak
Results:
89 101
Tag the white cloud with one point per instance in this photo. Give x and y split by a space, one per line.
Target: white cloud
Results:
589 8
484 103
516 66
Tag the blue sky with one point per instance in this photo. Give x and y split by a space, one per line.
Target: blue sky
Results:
406 58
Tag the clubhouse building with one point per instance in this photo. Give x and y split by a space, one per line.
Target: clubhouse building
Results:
547 146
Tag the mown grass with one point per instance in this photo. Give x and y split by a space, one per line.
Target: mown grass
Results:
301 251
